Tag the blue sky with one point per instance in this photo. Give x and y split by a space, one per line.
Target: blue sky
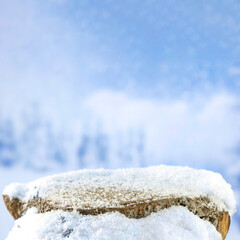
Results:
148 48
152 44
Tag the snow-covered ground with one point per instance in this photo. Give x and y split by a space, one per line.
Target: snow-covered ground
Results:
114 226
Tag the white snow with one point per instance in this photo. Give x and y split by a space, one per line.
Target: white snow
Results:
175 223
18 190
121 185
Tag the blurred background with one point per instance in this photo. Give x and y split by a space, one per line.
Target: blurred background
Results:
115 84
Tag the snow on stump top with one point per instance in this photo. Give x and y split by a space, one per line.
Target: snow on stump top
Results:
136 193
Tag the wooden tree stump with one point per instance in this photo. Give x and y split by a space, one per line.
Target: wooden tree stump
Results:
134 193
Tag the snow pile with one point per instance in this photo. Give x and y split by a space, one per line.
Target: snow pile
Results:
124 185
174 223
